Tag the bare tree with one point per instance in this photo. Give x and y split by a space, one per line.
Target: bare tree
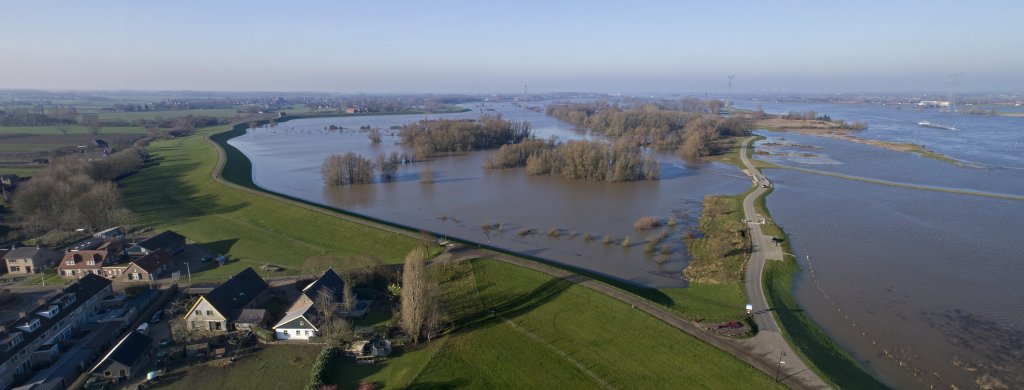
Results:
63 129
375 135
348 297
388 166
328 316
414 293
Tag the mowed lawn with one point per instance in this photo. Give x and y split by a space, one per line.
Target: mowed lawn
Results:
523 329
285 366
176 192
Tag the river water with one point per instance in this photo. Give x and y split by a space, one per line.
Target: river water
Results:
922 287
464 196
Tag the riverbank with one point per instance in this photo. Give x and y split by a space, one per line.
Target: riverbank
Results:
829 130
821 353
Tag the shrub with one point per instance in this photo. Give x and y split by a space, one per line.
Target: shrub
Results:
625 242
647 223
606 240
319 374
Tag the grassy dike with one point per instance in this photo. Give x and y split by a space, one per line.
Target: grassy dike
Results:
176 192
519 328
826 357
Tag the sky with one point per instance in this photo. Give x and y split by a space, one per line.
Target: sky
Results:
384 46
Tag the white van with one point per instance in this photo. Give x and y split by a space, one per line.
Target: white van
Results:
144 328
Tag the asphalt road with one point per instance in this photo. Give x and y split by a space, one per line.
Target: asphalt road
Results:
769 342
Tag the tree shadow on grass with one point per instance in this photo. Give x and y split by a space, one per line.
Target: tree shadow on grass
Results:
513 305
161 195
222 246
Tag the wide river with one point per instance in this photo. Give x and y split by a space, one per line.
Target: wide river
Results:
924 288
464 197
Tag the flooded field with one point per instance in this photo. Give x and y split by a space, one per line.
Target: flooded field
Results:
542 216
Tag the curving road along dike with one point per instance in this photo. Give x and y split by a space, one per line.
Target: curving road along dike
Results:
768 343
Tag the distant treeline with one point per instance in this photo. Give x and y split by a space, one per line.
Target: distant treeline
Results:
428 138
63 116
813 116
689 126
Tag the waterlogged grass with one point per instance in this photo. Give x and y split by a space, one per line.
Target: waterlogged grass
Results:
176 192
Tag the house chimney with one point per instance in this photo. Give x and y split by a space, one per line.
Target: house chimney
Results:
21 315
41 301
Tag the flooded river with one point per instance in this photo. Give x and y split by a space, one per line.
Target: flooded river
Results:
538 215
922 287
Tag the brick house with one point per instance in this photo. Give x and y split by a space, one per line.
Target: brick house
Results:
99 261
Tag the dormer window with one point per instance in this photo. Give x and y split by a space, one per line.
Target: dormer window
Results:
70 262
91 262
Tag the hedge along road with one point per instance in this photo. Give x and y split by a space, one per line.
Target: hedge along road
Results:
759 352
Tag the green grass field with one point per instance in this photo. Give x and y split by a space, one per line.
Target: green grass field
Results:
548 333
152 115
176 192
285 366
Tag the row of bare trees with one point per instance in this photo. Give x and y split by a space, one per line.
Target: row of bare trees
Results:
428 138
351 168
74 193
588 160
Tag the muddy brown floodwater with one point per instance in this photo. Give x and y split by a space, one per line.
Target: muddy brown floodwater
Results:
536 215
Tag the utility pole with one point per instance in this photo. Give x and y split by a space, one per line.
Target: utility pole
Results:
729 84
954 78
778 369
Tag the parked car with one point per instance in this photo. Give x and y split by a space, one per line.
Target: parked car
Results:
144 328
206 259
159 315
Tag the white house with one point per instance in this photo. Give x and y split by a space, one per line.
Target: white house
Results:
300 322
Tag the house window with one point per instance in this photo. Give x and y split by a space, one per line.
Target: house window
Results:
199 312
15 268
209 312
90 262
107 373
70 262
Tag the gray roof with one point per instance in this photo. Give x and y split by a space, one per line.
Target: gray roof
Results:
231 296
128 350
251 316
28 252
163 240
328 281
85 288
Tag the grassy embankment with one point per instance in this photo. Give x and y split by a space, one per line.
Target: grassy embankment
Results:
827 358
176 192
514 324
275 367
719 298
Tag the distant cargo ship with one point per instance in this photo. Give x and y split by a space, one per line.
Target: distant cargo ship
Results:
936 125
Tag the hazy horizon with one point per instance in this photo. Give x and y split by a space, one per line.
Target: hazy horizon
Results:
468 47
